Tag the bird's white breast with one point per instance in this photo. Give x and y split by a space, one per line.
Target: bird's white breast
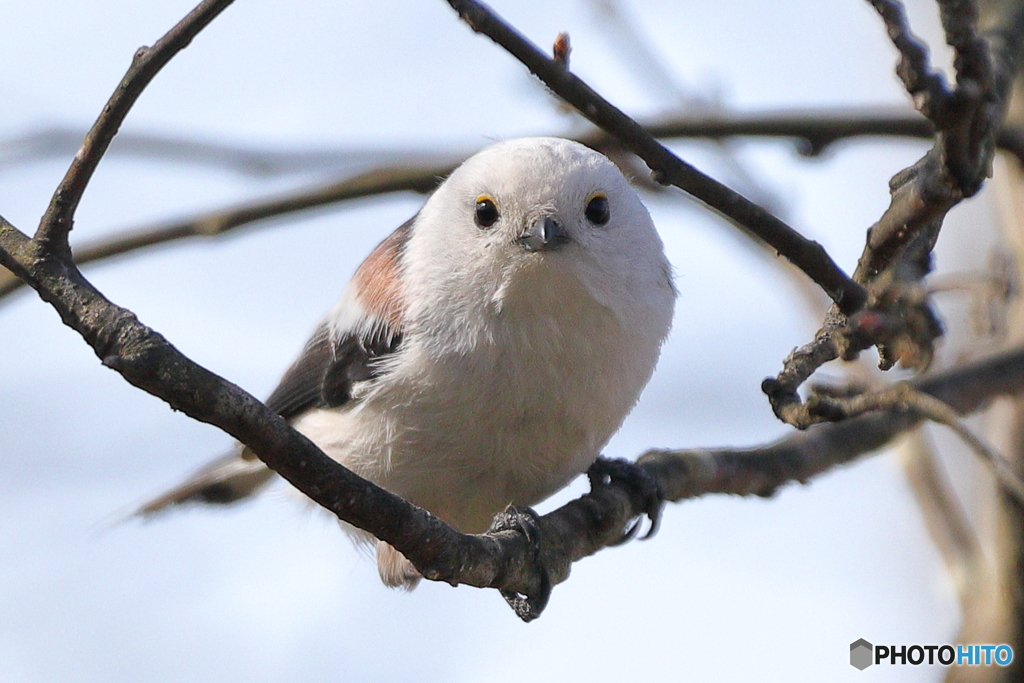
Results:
518 401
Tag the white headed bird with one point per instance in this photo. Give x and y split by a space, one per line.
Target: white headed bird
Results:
486 351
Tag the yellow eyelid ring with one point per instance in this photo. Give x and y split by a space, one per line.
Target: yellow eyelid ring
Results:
596 209
486 212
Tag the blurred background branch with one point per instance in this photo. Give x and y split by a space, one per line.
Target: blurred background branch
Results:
977 532
417 171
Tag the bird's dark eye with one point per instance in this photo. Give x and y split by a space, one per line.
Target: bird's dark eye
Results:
597 211
486 212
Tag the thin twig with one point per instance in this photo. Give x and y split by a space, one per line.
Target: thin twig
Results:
945 517
637 51
805 454
903 396
940 412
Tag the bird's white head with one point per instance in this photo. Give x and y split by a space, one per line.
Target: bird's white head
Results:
530 224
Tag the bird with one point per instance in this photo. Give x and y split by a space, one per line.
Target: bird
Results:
485 352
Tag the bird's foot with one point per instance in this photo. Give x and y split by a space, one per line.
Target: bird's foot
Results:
641 485
525 521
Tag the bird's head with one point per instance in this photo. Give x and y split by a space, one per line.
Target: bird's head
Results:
533 220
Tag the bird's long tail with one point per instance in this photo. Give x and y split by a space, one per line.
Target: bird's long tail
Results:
225 480
239 475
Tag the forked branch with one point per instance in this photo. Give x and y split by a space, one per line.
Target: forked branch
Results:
967 117
506 560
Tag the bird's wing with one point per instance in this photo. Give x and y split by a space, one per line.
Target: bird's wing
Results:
328 367
339 355
323 375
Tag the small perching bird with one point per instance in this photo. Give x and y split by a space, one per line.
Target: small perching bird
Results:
485 352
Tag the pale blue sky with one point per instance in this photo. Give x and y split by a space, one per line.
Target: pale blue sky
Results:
729 590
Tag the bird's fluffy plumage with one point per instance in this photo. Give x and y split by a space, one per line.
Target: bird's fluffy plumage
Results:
466 367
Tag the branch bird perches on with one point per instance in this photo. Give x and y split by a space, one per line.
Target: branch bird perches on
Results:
507 559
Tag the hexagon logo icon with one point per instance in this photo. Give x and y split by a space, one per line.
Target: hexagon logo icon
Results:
860 654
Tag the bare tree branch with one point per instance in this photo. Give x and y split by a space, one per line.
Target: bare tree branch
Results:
503 560
940 412
667 168
805 454
58 142
992 606
902 395
147 62
944 516
926 87
420 171
506 559
217 222
898 318
637 51
814 130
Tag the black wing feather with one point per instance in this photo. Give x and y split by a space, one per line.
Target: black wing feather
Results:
323 375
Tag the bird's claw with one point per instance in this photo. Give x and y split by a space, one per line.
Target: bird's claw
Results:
525 521
641 484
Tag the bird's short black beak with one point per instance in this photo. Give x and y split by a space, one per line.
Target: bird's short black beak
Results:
545 234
